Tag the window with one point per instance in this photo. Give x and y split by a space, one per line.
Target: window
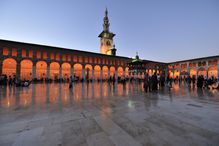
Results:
5 51
75 58
63 58
38 54
30 54
52 56
14 52
90 60
80 59
57 57
95 60
86 59
69 57
23 53
44 55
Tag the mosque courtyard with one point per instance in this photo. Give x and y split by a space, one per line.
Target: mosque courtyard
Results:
106 114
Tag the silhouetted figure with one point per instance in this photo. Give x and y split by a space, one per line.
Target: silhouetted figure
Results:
162 81
189 81
149 83
200 81
146 82
70 82
154 82
193 80
10 81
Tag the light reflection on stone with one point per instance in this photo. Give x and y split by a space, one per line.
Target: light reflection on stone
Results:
41 95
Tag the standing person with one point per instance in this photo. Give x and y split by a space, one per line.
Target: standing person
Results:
10 81
149 83
154 82
162 80
70 82
146 82
158 79
193 80
189 81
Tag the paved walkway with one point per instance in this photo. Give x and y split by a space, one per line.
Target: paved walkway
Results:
102 114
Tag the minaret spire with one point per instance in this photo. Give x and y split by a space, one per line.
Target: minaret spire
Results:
106 22
106 37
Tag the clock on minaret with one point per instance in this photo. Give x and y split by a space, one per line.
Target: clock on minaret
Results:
106 37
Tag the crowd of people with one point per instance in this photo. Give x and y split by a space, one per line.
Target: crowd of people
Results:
151 83
13 81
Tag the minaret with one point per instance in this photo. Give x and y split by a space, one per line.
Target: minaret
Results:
106 37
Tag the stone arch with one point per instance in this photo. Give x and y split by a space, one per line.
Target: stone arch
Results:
41 67
78 70
112 71
184 73
26 69
193 72
120 71
170 74
202 71
150 72
212 71
66 71
54 70
88 71
176 73
97 71
105 72
9 66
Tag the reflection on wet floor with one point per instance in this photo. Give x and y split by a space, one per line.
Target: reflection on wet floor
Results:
42 95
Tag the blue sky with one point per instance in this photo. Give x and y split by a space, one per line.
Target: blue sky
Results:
160 30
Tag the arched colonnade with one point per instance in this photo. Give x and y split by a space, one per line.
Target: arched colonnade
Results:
40 70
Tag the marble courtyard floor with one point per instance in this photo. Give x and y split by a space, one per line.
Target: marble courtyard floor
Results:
102 114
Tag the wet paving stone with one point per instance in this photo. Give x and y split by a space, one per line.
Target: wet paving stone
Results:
113 115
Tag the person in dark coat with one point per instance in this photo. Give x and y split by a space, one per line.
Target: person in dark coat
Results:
154 82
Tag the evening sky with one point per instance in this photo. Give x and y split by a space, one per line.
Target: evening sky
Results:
160 30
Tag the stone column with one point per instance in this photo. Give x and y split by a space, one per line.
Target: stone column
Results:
218 69
116 74
72 70
206 68
166 72
34 71
60 72
48 71
108 73
188 69
18 69
83 72
1 65
197 68
101 74
123 73
93 74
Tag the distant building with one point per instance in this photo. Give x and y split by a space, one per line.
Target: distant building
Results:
206 66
